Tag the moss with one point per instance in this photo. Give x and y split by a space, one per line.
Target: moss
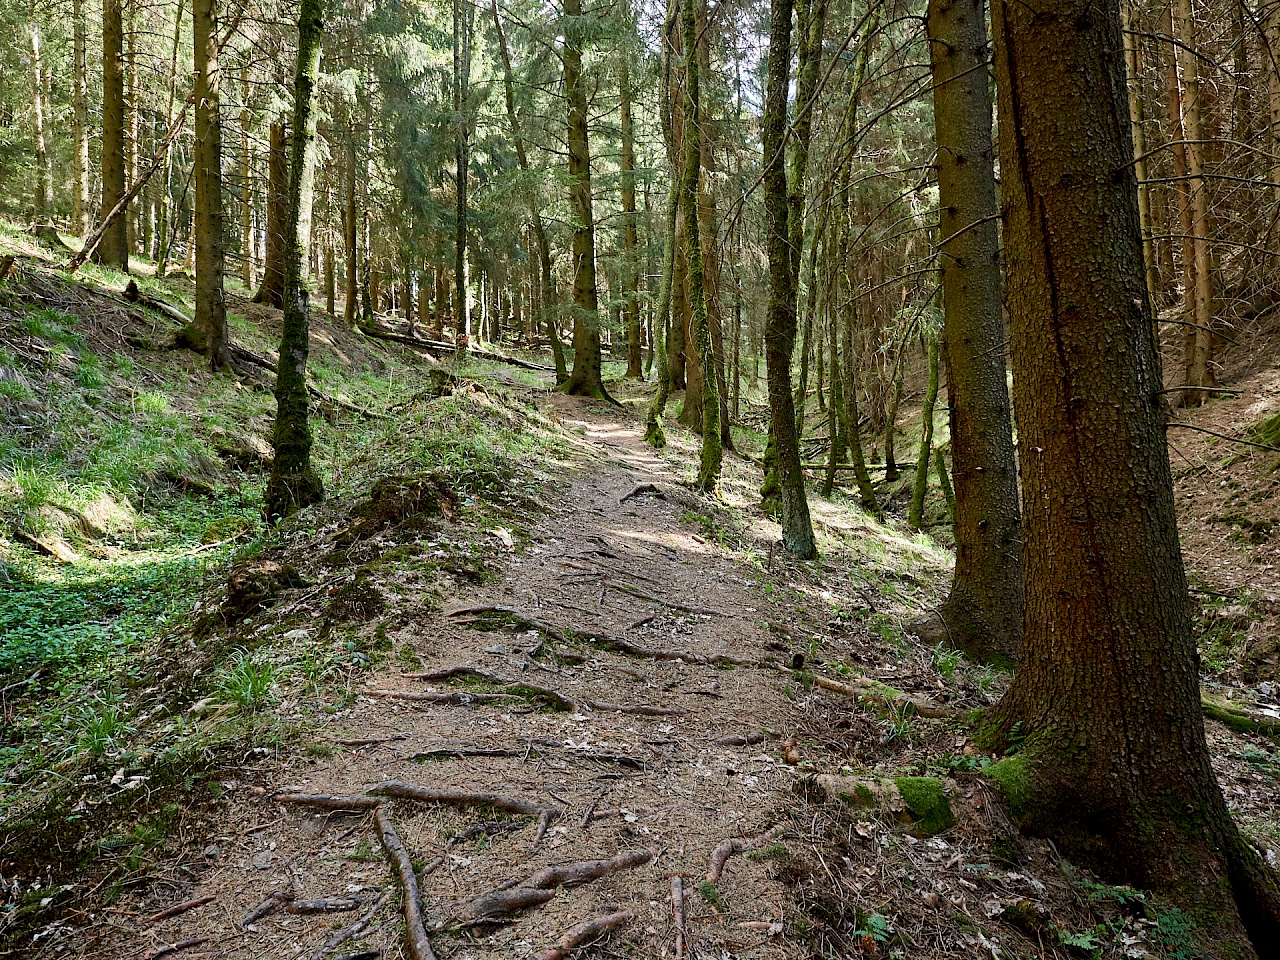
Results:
863 793
1239 722
1013 776
926 799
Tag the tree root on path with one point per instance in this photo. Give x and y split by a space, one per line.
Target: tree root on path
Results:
178 908
735 845
553 697
536 746
744 739
455 698
415 933
325 801
539 887
869 689
460 798
172 948
678 912
584 932
346 933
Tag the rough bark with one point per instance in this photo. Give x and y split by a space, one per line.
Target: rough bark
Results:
982 615
780 322
271 291
208 330
246 184
113 249
586 379
915 516
1113 763
294 482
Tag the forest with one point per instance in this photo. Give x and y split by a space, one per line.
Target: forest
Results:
621 478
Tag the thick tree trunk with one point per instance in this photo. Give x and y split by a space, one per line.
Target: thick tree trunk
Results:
80 123
208 330
271 291
586 379
780 323
1113 763
113 249
983 613
294 482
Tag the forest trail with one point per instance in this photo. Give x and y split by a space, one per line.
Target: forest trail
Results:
621 781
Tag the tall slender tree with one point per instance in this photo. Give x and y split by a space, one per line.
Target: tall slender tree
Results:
294 482
1106 703
113 249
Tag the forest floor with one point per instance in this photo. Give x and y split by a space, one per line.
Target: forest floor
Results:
600 643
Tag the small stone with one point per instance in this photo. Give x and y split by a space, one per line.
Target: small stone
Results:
264 860
212 851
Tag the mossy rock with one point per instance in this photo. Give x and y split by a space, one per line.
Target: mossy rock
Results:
1013 777
920 803
1267 431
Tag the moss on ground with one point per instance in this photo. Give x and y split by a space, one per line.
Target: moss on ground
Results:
926 800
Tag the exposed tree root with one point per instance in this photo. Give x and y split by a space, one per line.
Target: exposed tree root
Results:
869 689
633 590
678 912
457 698
173 948
178 908
460 798
735 845
371 741
502 902
266 907
642 489
743 739
414 932
325 801
539 887
585 932
346 933
553 697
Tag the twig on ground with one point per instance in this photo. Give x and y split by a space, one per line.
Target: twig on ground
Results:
178 908
735 845
584 932
181 945
346 933
415 933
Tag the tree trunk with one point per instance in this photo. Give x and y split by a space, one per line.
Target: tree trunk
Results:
113 249
1106 702
1136 120
44 177
586 379
915 515
780 323
351 291
294 483
131 119
166 219
631 283
271 291
208 330
246 185
80 127
461 88
983 613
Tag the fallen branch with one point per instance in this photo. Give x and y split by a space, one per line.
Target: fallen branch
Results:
239 352
459 798
414 931
178 908
327 801
732 846
743 739
554 697
641 709
443 346
584 932
572 874
346 933
501 902
863 689
266 907
323 905
1224 436
677 910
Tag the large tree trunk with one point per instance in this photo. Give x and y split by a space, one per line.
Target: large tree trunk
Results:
294 483
113 249
271 291
983 613
712 448
44 177
780 323
80 123
586 379
208 330
163 223
1113 763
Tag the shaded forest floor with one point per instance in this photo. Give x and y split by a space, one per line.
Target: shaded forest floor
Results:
658 674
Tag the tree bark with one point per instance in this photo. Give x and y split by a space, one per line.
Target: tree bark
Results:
208 330
80 123
113 249
630 267
164 222
351 291
982 615
1106 703
294 482
246 185
461 88
44 176
586 379
780 323
271 292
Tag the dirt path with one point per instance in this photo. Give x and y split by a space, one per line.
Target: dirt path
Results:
620 781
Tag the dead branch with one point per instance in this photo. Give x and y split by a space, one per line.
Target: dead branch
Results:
677 909
735 845
863 689
266 907
159 952
323 905
457 698
246 355
443 346
371 741
584 932
544 822
743 739
459 798
327 801
642 709
346 933
501 902
414 932
178 908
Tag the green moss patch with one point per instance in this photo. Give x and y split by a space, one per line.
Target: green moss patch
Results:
926 799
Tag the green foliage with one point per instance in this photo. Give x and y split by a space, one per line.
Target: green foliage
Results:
102 726
946 660
707 890
876 927
1174 931
248 681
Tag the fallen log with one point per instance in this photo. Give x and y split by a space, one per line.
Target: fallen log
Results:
443 346
415 932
